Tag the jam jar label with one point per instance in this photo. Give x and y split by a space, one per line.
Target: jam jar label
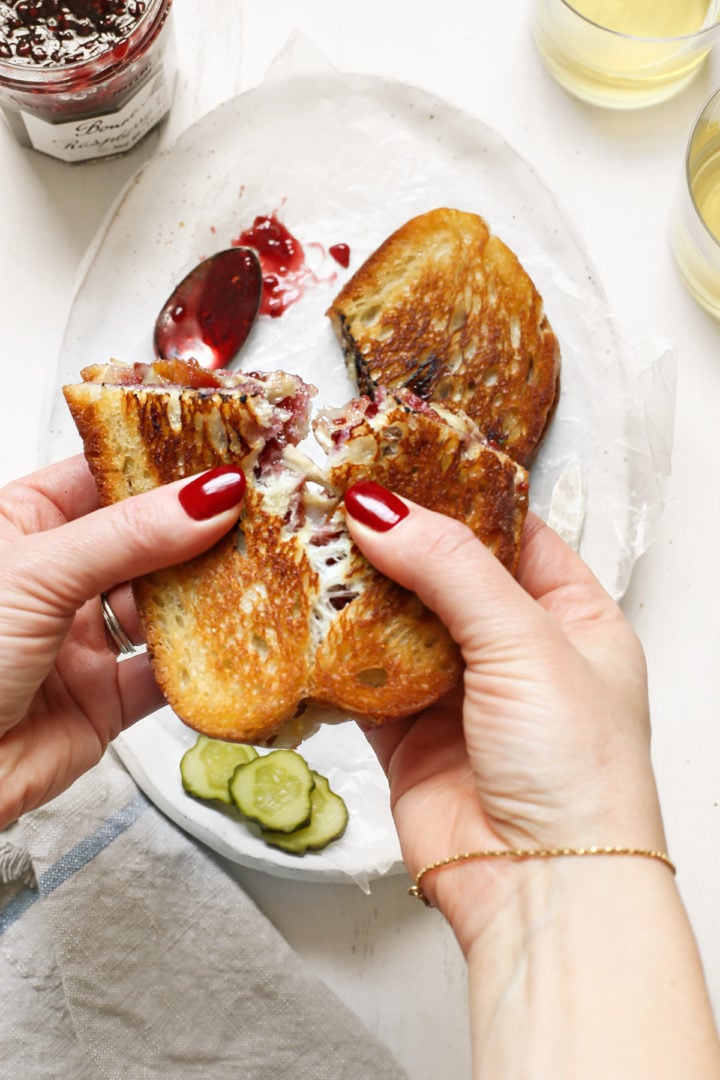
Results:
101 136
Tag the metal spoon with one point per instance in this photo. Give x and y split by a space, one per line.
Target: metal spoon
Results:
209 315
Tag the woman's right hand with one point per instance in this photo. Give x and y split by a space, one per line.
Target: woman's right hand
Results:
548 743
576 966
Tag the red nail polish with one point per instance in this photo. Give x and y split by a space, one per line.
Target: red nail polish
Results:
374 506
213 492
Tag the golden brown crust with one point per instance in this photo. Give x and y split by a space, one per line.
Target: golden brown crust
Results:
445 308
385 656
137 440
447 468
230 639
230 648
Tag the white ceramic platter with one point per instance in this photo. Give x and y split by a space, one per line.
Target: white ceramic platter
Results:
151 751
347 160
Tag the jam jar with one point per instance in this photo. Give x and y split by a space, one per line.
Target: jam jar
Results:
83 79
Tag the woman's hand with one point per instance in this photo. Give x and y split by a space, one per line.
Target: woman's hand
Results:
547 742
63 695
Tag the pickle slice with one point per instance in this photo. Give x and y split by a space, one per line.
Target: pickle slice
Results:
274 790
328 821
206 768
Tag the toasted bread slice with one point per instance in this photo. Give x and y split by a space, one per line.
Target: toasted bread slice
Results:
284 624
229 631
385 650
143 425
435 457
446 309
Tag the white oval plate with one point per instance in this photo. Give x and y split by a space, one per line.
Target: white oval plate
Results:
151 751
346 159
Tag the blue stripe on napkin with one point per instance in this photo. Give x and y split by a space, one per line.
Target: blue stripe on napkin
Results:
74 860
19 904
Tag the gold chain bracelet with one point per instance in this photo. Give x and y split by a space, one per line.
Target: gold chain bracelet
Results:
532 853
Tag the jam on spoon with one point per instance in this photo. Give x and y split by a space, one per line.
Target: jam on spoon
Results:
211 312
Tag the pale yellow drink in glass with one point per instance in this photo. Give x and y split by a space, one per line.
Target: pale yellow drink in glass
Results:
646 18
706 185
695 225
624 53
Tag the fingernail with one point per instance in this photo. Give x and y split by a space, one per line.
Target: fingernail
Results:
374 506
213 492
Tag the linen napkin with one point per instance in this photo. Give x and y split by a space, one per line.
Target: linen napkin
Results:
135 956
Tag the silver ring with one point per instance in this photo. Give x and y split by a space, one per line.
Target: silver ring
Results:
117 635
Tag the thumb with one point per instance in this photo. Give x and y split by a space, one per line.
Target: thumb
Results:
63 567
442 561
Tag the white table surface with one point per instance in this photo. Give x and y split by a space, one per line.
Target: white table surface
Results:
391 960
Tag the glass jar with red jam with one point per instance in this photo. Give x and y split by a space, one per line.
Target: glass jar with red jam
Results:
83 79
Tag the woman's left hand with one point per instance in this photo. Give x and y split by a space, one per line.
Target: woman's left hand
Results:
63 695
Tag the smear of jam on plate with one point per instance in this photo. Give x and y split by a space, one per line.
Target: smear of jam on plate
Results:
341 254
285 270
